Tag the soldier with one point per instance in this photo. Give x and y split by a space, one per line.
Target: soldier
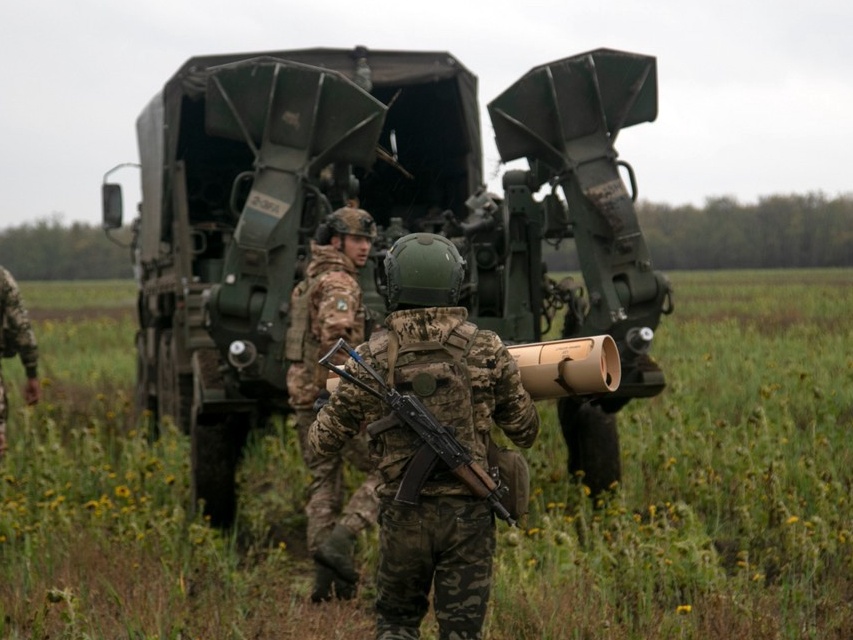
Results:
470 382
17 338
326 306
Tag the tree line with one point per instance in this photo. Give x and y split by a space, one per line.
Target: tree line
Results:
787 232
778 232
49 250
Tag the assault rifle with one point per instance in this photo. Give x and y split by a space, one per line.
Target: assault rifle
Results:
440 442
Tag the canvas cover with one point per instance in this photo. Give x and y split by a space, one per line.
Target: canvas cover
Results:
430 92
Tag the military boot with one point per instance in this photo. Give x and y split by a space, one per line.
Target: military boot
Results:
344 590
336 553
323 579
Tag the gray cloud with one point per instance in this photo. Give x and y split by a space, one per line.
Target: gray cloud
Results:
754 97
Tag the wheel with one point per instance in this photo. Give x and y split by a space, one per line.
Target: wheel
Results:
165 376
145 403
593 442
185 402
174 390
216 444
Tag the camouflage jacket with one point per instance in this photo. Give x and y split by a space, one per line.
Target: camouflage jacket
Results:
497 397
17 332
326 306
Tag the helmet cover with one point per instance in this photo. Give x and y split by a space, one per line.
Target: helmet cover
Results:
353 222
423 270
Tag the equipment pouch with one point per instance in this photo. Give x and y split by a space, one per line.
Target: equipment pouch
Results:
298 327
514 474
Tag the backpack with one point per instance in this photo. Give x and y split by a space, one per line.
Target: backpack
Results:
437 373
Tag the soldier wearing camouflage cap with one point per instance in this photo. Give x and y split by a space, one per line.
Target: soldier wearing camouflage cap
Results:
325 306
468 380
17 338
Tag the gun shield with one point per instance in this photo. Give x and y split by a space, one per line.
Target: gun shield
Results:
561 368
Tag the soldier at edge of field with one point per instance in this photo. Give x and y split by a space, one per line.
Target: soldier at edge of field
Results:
470 382
17 338
325 306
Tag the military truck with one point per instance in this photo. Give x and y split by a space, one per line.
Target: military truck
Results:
242 156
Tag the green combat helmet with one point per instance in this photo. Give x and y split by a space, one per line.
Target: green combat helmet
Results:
424 270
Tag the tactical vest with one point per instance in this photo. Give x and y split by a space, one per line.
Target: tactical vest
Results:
299 325
301 345
437 373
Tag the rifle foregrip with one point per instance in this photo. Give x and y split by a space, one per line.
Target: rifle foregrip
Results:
476 482
483 486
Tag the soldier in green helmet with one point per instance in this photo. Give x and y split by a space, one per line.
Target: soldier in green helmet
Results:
468 380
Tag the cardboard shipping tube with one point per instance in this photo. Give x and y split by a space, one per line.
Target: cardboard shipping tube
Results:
560 368
579 366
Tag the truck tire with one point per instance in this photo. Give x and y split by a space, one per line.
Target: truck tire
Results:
145 403
592 438
174 390
216 444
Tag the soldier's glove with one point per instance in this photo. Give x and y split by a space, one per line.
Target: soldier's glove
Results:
321 400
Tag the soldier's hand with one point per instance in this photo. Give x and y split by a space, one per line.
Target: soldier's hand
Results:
32 391
321 400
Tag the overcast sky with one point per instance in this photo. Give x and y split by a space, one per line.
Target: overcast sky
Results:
755 98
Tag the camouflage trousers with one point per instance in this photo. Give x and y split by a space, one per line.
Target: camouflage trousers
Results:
446 543
325 500
4 414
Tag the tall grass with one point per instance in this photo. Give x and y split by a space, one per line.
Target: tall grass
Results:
733 520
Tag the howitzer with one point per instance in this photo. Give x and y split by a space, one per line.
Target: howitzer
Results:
243 155
439 443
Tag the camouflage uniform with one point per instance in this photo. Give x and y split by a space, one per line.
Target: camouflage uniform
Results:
448 539
17 336
335 310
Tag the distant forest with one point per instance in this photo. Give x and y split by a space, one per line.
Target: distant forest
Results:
779 232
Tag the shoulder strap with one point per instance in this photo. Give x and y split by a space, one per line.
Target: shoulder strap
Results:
461 339
458 344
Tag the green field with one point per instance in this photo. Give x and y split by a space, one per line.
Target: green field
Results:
733 520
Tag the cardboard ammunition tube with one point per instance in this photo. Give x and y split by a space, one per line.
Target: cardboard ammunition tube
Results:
561 368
